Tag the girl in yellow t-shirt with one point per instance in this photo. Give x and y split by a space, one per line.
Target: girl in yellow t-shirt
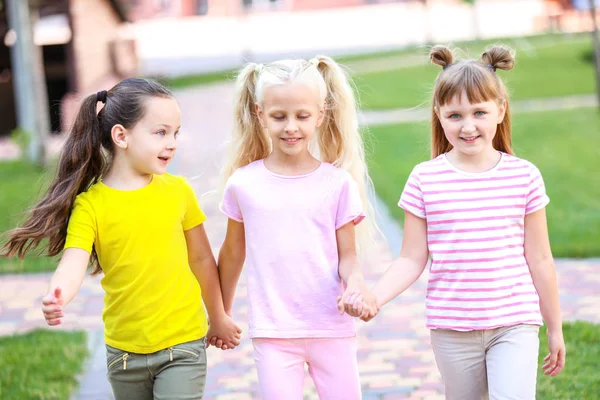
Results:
113 206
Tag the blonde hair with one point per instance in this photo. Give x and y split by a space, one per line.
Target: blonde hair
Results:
338 139
476 78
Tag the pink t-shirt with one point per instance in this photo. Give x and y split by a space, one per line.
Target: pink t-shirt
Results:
290 225
479 278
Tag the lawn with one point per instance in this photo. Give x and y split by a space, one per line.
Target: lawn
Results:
197 79
545 71
476 44
580 379
41 364
16 194
565 146
564 60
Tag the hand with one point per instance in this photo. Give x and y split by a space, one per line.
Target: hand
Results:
224 333
52 307
215 341
358 300
555 360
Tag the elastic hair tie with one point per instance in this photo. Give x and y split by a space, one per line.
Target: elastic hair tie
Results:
101 96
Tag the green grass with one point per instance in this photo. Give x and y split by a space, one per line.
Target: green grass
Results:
185 81
41 364
545 71
564 145
408 87
580 379
17 193
477 44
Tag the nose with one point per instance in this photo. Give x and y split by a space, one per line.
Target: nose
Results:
291 126
172 143
468 126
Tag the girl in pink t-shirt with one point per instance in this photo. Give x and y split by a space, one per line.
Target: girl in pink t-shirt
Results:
479 213
295 191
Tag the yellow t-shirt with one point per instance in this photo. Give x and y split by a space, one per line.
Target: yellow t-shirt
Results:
152 297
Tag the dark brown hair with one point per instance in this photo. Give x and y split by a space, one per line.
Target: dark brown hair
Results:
476 78
84 159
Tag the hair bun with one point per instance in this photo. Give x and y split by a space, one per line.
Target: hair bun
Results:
499 56
441 55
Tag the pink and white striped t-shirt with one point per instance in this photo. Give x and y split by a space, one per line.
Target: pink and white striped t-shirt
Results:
479 278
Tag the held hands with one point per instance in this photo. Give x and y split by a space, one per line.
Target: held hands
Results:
358 300
52 307
555 360
223 333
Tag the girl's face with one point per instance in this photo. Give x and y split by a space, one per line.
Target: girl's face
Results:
291 113
151 144
470 128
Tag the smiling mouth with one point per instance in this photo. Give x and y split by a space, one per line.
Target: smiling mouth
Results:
469 139
166 159
291 140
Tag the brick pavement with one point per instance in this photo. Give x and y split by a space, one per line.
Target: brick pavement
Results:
395 359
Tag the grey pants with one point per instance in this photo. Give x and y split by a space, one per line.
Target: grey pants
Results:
495 364
176 373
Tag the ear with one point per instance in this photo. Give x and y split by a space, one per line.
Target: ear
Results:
321 115
436 110
118 133
260 114
501 111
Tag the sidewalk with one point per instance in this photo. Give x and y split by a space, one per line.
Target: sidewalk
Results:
421 114
395 359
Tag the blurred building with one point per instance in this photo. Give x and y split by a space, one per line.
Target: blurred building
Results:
83 51
148 9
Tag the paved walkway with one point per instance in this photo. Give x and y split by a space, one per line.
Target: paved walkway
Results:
395 358
422 114
10 150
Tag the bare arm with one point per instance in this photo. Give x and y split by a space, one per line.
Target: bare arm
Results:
541 266
349 268
357 300
203 265
231 261
70 273
407 268
64 284
543 273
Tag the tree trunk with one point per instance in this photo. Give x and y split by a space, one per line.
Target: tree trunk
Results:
30 83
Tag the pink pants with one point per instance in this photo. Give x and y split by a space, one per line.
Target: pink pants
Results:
331 365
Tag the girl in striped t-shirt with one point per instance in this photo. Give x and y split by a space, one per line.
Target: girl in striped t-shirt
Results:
479 213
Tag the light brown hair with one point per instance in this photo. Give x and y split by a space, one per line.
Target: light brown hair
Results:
479 81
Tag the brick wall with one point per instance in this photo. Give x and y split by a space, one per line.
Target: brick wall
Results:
146 9
102 56
95 26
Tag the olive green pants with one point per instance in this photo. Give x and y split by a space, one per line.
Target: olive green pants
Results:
176 373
